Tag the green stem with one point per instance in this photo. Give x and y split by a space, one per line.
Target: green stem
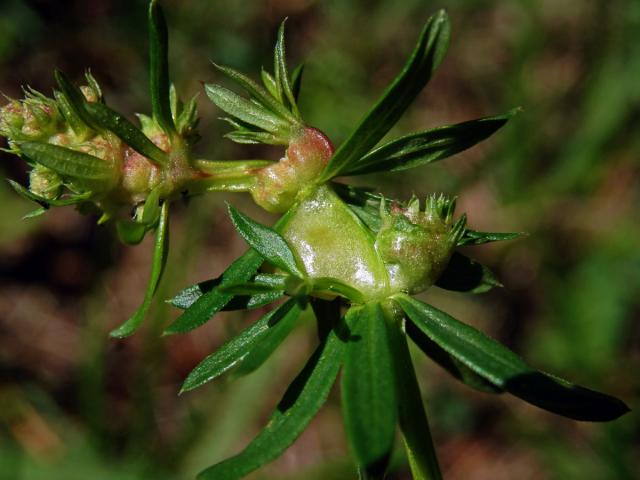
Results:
411 414
240 166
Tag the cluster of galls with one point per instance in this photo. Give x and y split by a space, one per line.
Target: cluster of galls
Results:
76 158
38 118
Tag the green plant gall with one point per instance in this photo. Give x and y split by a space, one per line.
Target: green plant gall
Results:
416 246
277 186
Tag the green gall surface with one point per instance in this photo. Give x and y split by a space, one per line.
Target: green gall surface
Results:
416 246
330 241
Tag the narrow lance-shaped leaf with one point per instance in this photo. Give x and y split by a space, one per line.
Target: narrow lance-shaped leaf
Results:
463 274
35 213
159 68
86 171
160 252
204 300
277 333
471 237
299 405
296 81
76 123
151 209
245 110
506 370
412 417
282 75
93 85
111 120
254 138
257 92
250 288
426 147
266 241
417 72
269 83
46 202
74 99
131 232
236 349
369 399
450 363
248 302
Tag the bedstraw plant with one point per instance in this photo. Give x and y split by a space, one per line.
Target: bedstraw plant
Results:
353 256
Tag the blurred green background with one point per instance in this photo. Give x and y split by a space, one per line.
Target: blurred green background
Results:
75 404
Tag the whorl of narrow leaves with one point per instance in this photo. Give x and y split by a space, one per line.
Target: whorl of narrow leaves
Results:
271 114
239 347
421 148
426 57
298 406
203 303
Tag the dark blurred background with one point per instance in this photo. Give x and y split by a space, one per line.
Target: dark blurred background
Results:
75 404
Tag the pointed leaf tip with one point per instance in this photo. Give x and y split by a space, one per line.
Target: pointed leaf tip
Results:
424 60
300 403
265 241
160 252
506 370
